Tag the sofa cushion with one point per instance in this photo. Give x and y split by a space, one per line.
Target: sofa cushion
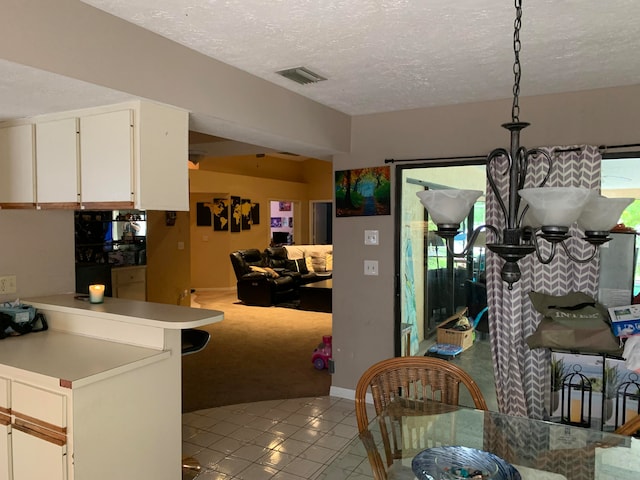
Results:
319 261
308 264
329 260
301 266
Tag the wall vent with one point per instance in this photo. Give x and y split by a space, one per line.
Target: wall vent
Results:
301 75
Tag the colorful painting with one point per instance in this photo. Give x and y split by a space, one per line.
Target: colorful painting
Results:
220 210
285 206
363 192
276 222
236 214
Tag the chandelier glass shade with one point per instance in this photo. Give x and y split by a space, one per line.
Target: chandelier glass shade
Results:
530 214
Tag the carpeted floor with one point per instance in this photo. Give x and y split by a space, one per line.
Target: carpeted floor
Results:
255 354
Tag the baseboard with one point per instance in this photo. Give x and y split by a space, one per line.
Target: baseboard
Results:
347 394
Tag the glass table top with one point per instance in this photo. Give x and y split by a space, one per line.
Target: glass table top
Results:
536 449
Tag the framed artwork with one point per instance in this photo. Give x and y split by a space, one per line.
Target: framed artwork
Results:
363 192
245 208
255 213
285 206
236 214
220 210
203 215
276 222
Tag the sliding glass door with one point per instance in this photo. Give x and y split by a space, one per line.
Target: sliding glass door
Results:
432 283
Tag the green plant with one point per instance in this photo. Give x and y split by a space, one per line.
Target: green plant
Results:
557 374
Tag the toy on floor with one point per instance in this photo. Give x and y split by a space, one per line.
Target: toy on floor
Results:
322 354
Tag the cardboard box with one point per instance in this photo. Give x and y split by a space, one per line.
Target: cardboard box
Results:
625 320
446 334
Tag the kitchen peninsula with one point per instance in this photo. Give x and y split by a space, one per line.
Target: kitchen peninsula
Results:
98 395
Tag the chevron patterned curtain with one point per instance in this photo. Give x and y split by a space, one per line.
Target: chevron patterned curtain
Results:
521 374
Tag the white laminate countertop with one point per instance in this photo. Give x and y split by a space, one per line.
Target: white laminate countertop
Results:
129 311
75 360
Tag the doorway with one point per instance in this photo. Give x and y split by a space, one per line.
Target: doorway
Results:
321 225
282 214
433 284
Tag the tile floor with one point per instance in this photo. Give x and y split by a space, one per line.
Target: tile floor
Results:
277 439
291 439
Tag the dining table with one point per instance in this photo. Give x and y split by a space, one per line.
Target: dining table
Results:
403 443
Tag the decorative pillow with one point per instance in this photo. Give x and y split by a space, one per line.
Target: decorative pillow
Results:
309 264
301 266
329 262
319 261
266 270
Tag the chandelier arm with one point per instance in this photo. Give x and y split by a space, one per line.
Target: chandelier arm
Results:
580 260
492 156
546 261
472 241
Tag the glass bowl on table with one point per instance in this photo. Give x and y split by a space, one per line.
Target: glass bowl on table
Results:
458 462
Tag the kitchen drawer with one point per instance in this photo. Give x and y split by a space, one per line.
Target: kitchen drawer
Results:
39 406
128 275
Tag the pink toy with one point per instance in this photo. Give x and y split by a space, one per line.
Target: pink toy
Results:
322 354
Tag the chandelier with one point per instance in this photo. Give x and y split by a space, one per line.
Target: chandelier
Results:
548 213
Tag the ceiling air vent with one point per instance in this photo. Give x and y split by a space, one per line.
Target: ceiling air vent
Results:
301 75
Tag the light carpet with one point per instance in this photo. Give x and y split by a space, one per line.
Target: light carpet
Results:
255 354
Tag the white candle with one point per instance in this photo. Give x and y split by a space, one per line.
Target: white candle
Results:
96 293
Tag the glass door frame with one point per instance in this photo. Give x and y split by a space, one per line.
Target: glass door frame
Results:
399 180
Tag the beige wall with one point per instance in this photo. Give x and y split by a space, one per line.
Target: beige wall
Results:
210 264
37 247
168 264
363 306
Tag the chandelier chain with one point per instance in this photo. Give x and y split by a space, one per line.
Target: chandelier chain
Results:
515 110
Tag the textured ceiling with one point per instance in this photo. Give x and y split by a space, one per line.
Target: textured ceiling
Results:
386 55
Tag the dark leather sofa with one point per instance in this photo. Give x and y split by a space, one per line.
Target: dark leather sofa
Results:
261 287
276 257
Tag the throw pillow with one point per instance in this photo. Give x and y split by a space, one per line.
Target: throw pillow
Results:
309 264
319 262
329 262
301 266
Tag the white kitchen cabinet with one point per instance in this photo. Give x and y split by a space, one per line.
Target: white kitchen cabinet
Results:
17 163
106 158
129 155
37 456
5 430
129 282
57 173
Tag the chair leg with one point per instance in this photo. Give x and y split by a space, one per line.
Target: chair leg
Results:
190 468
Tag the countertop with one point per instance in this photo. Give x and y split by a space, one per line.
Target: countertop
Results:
74 359
129 311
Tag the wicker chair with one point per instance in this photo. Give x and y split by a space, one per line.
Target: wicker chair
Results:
630 427
399 387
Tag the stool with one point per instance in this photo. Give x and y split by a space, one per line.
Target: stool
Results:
193 341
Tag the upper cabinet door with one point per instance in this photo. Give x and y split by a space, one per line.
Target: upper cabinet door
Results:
106 157
57 162
17 165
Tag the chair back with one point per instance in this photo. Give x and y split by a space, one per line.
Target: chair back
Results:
630 427
402 389
415 379
242 260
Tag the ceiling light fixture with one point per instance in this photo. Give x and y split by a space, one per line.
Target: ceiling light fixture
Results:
301 75
553 210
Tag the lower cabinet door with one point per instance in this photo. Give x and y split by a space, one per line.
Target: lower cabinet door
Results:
35 457
5 452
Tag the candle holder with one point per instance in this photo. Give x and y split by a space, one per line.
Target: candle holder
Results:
96 293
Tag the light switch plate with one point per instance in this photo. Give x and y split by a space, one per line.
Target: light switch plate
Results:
371 237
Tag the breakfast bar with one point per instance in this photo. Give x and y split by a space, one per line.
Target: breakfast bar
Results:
98 395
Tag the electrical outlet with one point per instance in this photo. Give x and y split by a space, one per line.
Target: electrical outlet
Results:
7 284
371 267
